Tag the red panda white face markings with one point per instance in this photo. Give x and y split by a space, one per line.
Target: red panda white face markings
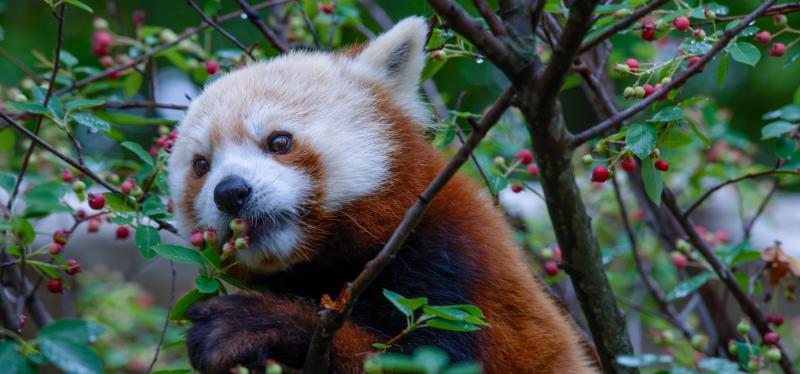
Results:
338 146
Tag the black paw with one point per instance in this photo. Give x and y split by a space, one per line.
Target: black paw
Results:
246 330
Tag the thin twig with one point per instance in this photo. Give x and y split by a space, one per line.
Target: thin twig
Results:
679 80
143 104
166 320
317 357
310 27
256 20
490 17
25 69
332 26
219 28
621 24
748 229
710 191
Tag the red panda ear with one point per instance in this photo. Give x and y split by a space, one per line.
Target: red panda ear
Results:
396 57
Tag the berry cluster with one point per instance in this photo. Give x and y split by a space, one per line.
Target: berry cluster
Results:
525 158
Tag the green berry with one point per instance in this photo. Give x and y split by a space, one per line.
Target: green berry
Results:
240 243
547 254
79 187
628 93
587 159
700 342
683 245
773 354
639 92
743 328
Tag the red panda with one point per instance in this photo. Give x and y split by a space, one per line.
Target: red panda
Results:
323 153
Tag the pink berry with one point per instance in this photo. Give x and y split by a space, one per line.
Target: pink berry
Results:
127 186
96 201
106 61
66 176
681 23
777 320
699 34
61 237
525 156
600 174
229 248
516 188
557 253
54 248
693 61
327 8
101 43
197 238
138 17
212 67
170 206
238 225
94 224
679 260
55 286
771 338
723 235
161 141
551 268
172 135
628 164
153 151
764 37
777 50
81 214
662 165
648 31
73 267
123 232
533 170
648 89
210 236
632 64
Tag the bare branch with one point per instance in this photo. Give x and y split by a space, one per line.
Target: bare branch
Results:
219 28
748 229
490 17
318 355
615 120
622 24
256 20
166 320
143 104
710 191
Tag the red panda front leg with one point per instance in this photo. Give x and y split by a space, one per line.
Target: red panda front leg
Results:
247 329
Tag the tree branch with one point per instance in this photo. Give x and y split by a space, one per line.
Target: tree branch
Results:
621 24
615 120
256 20
490 17
219 28
696 204
318 354
748 229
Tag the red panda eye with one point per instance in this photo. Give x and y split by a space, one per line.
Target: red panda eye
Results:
280 143
201 166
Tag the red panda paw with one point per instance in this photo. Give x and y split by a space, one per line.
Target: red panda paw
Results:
248 329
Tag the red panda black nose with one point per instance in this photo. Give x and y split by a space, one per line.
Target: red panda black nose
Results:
231 194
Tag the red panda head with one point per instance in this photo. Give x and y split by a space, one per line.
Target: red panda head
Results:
286 143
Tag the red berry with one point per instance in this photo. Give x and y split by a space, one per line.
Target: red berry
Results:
557 253
525 156
516 188
127 186
327 8
161 141
777 50
210 236
681 23
73 267
662 165
600 174
551 268
106 61
96 201
649 31
153 151
54 248
55 286
114 75
123 232
777 320
665 95
101 43
196 238
170 206
648 90
212 67
533 170
172 135
632 64
723 235
138 17
679 260
94 224
764 37
628 164
699 34
693 61
66 176
61 237
771 338
81 214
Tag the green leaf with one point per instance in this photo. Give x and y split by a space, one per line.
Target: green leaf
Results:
131 84
179 254
653 184
641 139
444 324
80 5
56 108
120 203
689 286
183 304
211 7
153 206
72 330
497 182
648 359
698 133
670 114
719 365
7 180
722 69
789 112
463 368
83 104
776 129
431 68
28 107
206 285
785 147
471 309
70 357
146 238
172 371
675 139
13 361
23 230
405 305
91 121
213 257
793 57
128 119
745 53
68 58
380 346
138 151
453 314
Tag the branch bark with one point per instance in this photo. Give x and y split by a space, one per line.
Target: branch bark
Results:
696 204
256 20
637 14
318 355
